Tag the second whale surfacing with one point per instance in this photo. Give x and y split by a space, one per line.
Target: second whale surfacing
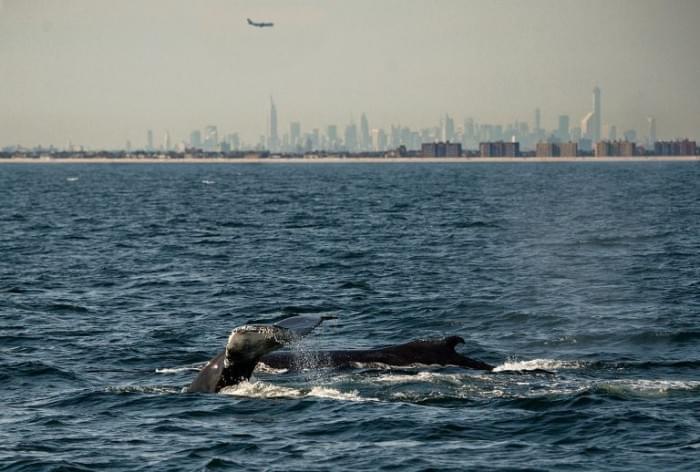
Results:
420 352
250 344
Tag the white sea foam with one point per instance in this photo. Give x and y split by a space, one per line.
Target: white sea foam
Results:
545 364
644 387
326 392
175 370
259 389
72 179
430 377
208 182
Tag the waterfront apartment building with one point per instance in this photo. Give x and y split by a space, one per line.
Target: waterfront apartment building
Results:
441 149
615 149
675 148
499 149
557 149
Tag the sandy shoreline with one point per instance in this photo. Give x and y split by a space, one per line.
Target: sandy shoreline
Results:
343 160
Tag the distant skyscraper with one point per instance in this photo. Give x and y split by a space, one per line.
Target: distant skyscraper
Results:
597 112
274 137
233 141
395 137
211 138
351 137
295 135
379 140
592 123
364 133
538 121
612 133
651 134
167 146
314 139
196 139
375 139
332 137
469 137
448 128
149 140
563 129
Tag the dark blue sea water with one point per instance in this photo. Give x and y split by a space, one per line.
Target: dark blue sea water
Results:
118 281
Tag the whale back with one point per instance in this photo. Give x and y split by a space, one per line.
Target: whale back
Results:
426 352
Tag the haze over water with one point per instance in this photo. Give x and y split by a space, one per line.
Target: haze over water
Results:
118 281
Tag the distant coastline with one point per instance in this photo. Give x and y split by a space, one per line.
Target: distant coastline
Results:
335 160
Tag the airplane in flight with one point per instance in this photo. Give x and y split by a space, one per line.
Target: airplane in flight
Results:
260 25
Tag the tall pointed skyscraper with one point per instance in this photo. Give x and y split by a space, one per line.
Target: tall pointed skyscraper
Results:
592 123
273 139
597 116
651 133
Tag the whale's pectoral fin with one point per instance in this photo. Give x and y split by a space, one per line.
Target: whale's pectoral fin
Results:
209 376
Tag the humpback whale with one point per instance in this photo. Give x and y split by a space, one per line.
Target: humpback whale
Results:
249 344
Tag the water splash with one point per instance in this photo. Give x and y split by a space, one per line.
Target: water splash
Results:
539 364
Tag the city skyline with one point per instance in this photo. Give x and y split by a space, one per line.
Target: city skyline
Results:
376 139
73 73
364 138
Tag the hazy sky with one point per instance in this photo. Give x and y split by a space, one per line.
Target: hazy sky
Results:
103 71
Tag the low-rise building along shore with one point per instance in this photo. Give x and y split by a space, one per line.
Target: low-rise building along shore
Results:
615 148
683 147
568 149
499 149
435 152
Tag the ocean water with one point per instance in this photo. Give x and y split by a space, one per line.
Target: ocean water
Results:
118 281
